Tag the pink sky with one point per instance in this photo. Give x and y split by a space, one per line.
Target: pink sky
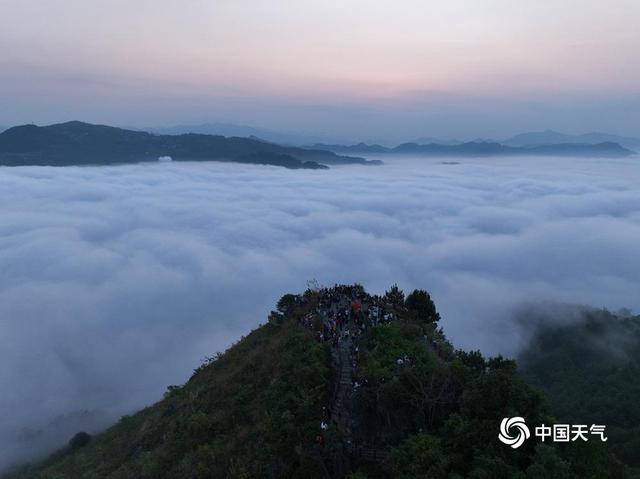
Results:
412 64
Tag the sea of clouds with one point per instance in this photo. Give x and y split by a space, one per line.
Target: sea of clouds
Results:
116 281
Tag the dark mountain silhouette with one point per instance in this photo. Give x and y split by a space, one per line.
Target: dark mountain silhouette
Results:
77 143
487 148
338 383
548 137
605 149
496 149
360 148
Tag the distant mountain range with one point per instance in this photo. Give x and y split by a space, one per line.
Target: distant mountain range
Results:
77 143
487 148
360 148
535 138
549 137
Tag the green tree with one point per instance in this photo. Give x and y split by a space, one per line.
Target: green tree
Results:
286 303
420 306
420 456
548 464
394 296
79 440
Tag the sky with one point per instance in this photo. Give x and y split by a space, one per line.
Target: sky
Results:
116 281
344 68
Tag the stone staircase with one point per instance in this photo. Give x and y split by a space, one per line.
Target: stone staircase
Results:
343 405
372 454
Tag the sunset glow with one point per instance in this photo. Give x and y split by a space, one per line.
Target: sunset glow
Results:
249 61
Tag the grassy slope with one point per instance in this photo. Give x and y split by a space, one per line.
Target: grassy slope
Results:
243 415
254 412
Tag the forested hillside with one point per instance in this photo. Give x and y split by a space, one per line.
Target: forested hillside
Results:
590 371
338 383
78 143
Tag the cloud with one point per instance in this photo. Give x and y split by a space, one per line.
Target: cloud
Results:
115 282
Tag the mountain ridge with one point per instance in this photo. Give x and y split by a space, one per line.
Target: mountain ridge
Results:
487 148
79 143
338 383
554 137
527 138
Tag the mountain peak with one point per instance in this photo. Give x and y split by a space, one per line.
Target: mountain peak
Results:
337 381
80 143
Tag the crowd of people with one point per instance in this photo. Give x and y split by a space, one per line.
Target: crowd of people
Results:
338 317
341 314
346 312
